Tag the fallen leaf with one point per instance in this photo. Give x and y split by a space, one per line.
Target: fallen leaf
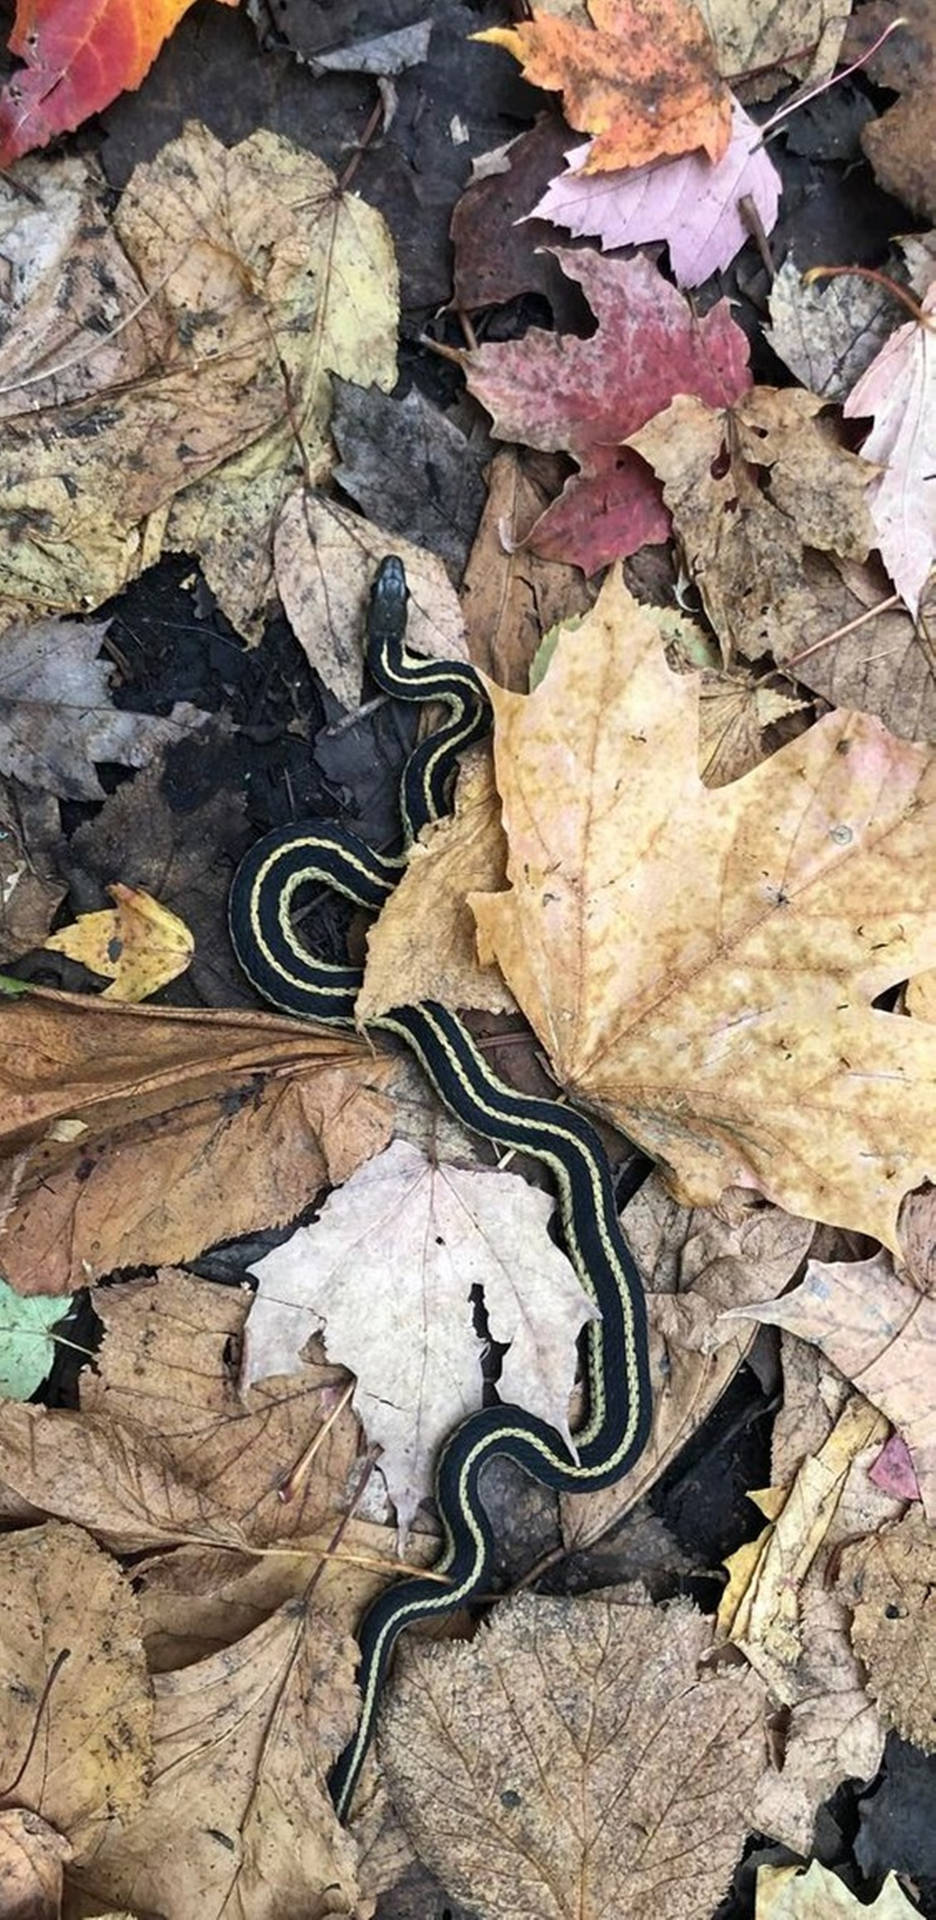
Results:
829 332
235 1448
643 79
138 944
898 390
70 1624
27 1346
32 1858
814 1397
75 64
572 1760
899 141
57 718
790 1893
389 1268
500 254
585 397
135 1136
265 280
695 1264
691 204
238 1819
880 1331
30 889
844 634
726 1028
410 467
803 38
889 1583
510 596
423 945
325 558
736 711
778 1607
750 491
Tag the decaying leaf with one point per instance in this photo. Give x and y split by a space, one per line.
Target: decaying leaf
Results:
829 332
32 1858
899 141
726 1026
325 560
75 63
389 1267
788 1893
509 596
572 1759
749 492
692 205
760 43
30 888
845 634
778 1607
423 946
889 1582
137 944
880 1331
140 1135
237 1819
898 390
66 1608
642 78
57 717
585 397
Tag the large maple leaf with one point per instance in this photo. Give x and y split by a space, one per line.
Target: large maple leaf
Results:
700 965
644 80
78 55
560 393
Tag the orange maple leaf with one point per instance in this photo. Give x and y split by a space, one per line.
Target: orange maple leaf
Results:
643 81
78 55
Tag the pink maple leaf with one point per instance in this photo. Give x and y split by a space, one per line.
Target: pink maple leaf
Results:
560 393
691 204
898 390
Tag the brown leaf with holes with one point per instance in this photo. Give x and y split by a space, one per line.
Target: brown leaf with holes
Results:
576 1758
70 1624
643 78
139 1135
238 1819
725 1025
889 1582
751 489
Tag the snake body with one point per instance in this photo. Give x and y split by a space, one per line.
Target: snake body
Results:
289 976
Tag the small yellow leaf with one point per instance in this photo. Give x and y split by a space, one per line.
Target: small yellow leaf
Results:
138 945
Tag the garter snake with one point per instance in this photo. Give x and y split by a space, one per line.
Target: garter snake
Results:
288 975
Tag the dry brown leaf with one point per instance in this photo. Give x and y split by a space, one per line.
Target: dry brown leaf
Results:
325 560
750 489
643 78
424 944
880 1331
841 635
510 597
64 1601
735 712
162 1368
756 34
695 1265
829 331
238 1819
260 278
814 1396
141 1135
900 141
32 1858
56 714
726 1025
572 1761
778 1607
389 1267
889 1583
110 1477
788 1893
30 890
137 944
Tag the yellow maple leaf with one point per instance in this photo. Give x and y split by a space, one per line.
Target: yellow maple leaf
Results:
138 945
701 965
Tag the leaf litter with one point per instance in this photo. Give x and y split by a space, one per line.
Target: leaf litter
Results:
215 1443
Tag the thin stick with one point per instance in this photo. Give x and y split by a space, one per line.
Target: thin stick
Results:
293 1481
